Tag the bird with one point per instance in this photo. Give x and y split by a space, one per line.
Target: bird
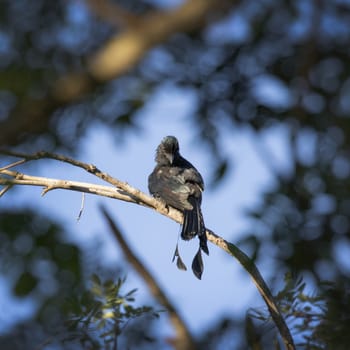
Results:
177 183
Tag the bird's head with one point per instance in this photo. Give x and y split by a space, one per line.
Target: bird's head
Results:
167 150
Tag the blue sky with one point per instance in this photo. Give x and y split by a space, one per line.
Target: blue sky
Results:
225 288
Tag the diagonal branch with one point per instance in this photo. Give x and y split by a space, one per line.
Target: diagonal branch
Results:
260 284
126 49
184 340
124 191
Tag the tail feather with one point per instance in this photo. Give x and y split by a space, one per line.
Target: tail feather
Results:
203 243
193 225
189 226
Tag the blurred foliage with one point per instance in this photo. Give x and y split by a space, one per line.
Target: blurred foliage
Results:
268 63
70 312
101 314
41 266
317 320
45 265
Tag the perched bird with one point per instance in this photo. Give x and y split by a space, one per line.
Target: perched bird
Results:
178 183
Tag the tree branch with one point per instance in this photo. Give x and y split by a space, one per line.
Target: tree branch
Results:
184 340
134 194
16 178
259 282
125 192
125 50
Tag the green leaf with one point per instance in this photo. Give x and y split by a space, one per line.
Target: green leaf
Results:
95 279
131 292
25 284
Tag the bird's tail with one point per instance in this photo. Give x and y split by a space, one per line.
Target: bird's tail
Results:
194 225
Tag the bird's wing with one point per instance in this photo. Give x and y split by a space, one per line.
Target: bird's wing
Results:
172 189
189 172
193 176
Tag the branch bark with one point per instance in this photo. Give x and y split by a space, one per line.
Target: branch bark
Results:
125 192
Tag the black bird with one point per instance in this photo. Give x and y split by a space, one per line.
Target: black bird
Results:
179 184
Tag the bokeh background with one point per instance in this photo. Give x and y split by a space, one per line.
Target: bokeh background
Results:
258 94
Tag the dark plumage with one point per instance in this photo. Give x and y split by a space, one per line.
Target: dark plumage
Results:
178 183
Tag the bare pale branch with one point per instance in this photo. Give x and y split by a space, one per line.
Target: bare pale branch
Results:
48 184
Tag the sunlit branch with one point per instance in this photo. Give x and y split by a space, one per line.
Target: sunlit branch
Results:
13 178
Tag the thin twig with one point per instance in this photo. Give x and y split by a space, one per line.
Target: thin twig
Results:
5 189
130 194
19 162
82 206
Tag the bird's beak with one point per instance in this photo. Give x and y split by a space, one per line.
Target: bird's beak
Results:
170 158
